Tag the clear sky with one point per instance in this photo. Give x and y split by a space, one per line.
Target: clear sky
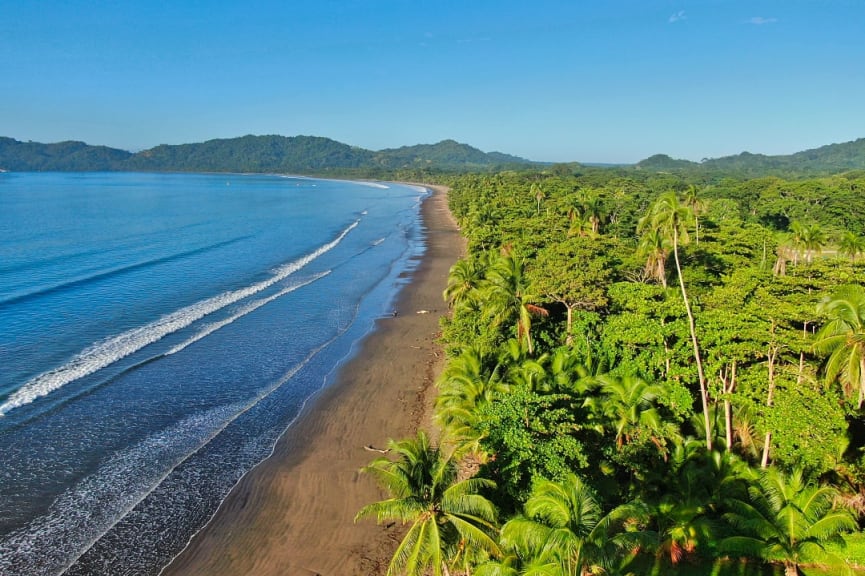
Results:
591 81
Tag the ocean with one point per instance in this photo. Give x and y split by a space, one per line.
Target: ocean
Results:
158 333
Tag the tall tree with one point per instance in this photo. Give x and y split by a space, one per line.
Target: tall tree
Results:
593 210
654 247
668 217
697 205
813 240
464 279
445 514
843 338
798 236
508 294
466 383
573 273
538 195
851 245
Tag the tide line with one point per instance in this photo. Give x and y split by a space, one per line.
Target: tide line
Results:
252 306
109 351
82 515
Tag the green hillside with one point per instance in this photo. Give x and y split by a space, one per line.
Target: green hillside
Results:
447 154
253 154
318 155
825 160
63 156
296 154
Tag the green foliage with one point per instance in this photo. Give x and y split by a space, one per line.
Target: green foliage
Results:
297 154
535 435
808 425
63 156
604 387
564 529
785 518
445 514
843 338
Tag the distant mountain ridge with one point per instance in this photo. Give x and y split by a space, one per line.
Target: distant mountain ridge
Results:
294 154
317 155
829 159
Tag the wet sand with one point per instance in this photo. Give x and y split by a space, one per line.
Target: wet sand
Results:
294 513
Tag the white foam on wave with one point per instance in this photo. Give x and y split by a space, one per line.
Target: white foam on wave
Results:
78 518
252 306
109 351
372 184
50 544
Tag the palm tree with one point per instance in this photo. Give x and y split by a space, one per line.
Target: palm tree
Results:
579 226
843 338
784 518
813 240
629 404
508 294
592 210
654 248
571 373
798 232
466 383
693 486
464 278
564 530
446 515
852 245
697 205
681 526
668 217
538 195
786 251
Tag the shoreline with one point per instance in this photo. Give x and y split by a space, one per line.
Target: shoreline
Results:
294 512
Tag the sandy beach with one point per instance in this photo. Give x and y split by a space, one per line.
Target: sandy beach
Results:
293 514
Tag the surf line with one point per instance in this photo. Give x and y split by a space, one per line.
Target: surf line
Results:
74 524
109 351
252 306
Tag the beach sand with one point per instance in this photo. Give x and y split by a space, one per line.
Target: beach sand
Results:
294 513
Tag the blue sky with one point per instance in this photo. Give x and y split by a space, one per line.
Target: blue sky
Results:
600 81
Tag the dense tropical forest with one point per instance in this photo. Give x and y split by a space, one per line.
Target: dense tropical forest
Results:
648 373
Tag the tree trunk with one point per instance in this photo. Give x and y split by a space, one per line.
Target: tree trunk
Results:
791 569
861 380
770 357
662 271
666 355
704 396
570 337
728 387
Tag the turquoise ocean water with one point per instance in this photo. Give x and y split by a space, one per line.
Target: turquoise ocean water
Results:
158 332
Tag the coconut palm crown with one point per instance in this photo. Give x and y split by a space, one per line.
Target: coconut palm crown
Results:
446 515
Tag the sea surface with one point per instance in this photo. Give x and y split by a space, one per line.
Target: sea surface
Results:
158 333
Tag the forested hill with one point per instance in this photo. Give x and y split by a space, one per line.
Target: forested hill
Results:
297 154
67 156
830 159
445 153
321 156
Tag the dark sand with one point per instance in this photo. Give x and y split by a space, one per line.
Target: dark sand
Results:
294 513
